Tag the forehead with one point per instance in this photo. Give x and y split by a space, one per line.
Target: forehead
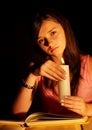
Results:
49 24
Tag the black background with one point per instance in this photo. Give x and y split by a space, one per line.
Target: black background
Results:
15 48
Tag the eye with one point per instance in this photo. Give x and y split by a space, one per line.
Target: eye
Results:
53 33
41 41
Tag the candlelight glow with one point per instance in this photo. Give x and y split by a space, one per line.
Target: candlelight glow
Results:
62 60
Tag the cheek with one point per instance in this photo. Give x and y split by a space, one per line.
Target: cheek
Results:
62 42
63 46
43 48
61 37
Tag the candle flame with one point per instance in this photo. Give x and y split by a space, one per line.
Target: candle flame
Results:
62 61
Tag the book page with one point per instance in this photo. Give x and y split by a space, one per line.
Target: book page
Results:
49 116
40 118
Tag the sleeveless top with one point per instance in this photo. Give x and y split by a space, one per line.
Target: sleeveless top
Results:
50 99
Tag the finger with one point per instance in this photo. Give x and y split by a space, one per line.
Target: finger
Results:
55 71
50 64
71 103
73 98
75 104
51 75
59 74
51 72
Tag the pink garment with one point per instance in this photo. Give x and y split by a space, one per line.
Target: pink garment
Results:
50 100
85 86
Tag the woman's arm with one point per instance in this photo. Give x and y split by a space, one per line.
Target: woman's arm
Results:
24 97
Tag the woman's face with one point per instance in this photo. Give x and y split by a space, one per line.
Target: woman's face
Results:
51 38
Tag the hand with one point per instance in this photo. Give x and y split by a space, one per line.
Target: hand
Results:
75 104
52 70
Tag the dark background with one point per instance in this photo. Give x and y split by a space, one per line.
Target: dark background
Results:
15 47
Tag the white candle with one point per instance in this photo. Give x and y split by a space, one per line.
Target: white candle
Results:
64 85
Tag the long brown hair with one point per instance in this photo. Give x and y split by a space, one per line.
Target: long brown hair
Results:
71 53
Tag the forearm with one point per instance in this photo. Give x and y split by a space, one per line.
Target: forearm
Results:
24 98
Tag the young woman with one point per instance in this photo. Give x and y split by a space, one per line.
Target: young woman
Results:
54 39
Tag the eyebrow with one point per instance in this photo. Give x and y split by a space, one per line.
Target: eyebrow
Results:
48 31
51 29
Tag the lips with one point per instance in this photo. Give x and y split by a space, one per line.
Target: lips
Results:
53 49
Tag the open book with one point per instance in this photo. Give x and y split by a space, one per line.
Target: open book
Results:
40 118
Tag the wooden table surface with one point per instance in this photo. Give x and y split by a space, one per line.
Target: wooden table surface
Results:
85 126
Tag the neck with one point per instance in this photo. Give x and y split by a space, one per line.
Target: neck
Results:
57 59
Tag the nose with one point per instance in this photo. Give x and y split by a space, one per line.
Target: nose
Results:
47 42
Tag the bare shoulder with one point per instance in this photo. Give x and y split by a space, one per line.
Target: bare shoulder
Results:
90 63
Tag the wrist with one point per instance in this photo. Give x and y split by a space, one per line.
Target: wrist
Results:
29 82
26 85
